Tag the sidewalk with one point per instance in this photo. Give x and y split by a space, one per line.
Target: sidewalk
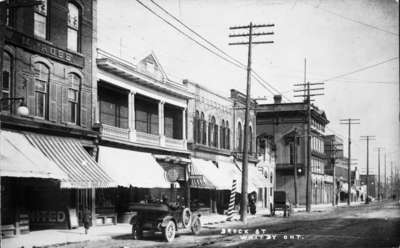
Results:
64 236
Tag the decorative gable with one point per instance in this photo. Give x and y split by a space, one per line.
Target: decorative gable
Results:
151 67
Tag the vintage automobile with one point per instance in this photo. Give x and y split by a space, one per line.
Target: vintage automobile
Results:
164 218
281 203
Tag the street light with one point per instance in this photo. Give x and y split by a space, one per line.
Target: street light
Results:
22 109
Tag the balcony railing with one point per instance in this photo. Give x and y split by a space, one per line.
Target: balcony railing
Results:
115 132
147 138
175 143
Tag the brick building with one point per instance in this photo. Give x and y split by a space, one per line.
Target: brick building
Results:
47 62
285 125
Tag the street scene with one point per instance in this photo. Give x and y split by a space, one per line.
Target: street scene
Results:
187 123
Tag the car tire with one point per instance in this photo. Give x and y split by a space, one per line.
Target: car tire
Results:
196 226
169 231
137 232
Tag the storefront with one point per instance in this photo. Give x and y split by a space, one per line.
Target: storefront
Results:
141 177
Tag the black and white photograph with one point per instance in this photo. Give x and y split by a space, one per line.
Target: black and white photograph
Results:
199 123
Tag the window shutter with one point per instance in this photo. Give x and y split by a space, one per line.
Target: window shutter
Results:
85 106
52 102
30 93
64 103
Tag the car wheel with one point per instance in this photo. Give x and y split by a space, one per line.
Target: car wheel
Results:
169 231
196 226
137 232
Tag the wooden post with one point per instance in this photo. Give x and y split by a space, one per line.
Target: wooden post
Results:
93 210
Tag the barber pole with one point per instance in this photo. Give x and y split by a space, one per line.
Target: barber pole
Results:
232 201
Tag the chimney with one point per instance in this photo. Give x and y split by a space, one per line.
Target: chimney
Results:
278 99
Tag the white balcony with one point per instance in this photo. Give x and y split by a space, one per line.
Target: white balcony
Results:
175 143
115 132
147 138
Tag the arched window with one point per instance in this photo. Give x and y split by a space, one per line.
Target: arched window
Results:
7 83
211 129
203 129
73 27
239 137
222 135
196 127
40 20
74 98
227 135
41 90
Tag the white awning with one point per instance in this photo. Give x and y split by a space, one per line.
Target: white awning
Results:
132 168
256 177
19 158
216 176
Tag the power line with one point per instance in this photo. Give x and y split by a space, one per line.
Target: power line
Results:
188 36
359 70
231 59
354 20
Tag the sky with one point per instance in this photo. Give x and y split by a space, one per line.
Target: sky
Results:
351 45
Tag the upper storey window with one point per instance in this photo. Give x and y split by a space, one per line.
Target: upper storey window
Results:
73 27
40 20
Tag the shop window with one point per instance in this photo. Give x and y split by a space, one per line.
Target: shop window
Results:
41 90
113 107
7 81
40 20
146 115
73 27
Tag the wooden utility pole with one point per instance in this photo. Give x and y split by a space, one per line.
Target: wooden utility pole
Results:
391 179
306 95
379 173
385 181
367 138
249 43
349 122
296 196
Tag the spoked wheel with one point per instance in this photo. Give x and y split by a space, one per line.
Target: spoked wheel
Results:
196 226
137 232
169 231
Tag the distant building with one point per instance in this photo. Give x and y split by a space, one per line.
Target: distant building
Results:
372 184
285 124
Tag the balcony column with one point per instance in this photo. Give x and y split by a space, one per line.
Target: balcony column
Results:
184 138
161 122
131 116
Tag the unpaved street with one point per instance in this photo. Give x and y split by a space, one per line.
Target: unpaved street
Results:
375 225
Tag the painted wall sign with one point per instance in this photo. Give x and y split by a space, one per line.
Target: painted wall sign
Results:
43 48
172 175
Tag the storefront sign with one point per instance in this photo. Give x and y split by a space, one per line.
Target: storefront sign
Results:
43 48
48 217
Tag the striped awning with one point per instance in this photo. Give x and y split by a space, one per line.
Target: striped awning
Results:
70 156
199 181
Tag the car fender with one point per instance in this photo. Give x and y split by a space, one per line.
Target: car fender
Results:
166 220
134 219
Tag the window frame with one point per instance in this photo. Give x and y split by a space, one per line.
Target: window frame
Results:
75 85
44 93
10 82
76 29
44 15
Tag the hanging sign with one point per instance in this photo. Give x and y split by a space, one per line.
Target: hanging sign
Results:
172 174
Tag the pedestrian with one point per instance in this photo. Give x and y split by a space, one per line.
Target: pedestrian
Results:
87 220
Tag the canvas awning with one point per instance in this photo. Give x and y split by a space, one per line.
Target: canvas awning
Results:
69 155
132 168
18 158
213 174
256 177
198 180
230 168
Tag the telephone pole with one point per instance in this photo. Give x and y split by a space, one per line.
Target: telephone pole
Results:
379 173
367 138
334 149
249 43
385 181
296 195
349 122
306 95
391 179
